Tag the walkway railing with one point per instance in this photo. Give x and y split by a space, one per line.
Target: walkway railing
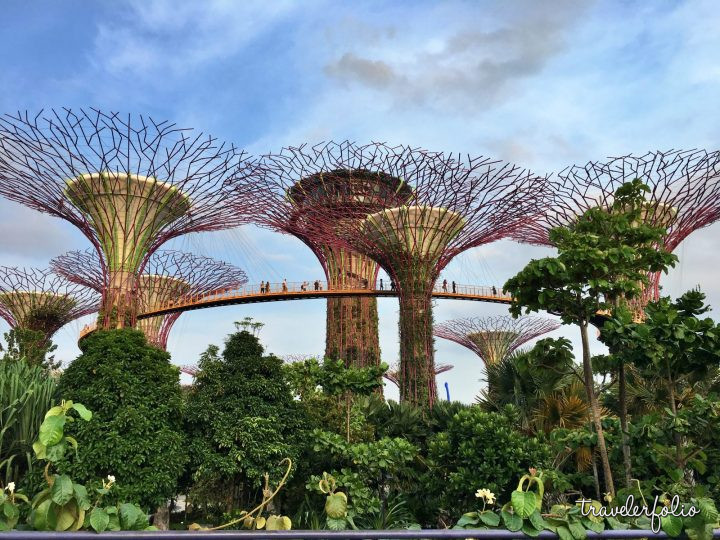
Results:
308 289
315 289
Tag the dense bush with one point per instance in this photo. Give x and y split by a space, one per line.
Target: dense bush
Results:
478 450
241 422
135 432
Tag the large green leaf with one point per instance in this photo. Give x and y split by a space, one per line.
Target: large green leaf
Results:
42 518
130 515
66 516
99 519
490 518
83 411
671 525
62 489
336 505
81 496
513 522
332 524
51 430
523 502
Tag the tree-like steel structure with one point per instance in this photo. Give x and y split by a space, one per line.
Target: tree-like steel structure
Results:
169 275
446 205
128 183
494 338
684 196
333 181
41 301
393 374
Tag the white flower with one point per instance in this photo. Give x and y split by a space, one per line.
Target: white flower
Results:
485 494
111 479
11 487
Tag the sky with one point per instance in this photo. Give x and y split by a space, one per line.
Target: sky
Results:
541 84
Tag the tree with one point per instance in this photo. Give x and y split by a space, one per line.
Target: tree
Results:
531 381
30 345
602 263
241 421
678 350
136 429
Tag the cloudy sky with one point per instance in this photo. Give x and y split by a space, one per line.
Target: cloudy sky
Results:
544 84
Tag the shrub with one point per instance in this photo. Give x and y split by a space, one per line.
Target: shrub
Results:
241 421
135 432
478 450
26 392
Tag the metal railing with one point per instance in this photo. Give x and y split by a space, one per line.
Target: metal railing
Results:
314 288
279 290
317 535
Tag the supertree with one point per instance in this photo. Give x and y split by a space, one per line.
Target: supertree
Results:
393 375
128 183
168 276
449 205
333 181
494 338
40 301
684 196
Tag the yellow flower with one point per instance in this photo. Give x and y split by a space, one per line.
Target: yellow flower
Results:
608 497
485 494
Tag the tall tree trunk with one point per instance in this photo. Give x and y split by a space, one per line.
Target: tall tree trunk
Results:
595 409
161 520
417 363
622 396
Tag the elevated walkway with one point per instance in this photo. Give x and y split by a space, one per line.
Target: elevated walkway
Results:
277 292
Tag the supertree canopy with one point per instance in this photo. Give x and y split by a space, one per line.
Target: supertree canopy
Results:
41 301
446 205
168 276
332 180
684 196
494 338
128 183
393 375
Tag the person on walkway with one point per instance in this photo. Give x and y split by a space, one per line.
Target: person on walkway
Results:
494 291
392 284
267 286
454 287
284 285
382 287
262 287
444 285
317 285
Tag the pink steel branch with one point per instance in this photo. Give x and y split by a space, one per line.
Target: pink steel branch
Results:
684 195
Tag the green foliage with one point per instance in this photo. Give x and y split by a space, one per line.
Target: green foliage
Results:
32 346
478 449
26 392
365 470
526 378
675 350
240 419
135 433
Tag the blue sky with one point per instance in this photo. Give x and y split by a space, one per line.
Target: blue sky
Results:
544 84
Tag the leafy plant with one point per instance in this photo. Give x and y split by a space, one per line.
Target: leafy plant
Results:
65 505
136 429
26 392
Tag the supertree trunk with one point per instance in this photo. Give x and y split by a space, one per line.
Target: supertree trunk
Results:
120 301
352 322
417 350
352 331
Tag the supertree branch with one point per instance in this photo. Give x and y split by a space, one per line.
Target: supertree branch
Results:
169 275
684 195
393 375
39 300
443 205
128 183
494 338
